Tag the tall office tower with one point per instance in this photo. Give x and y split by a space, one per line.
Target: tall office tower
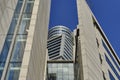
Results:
22 25
96 58
60 43
60 54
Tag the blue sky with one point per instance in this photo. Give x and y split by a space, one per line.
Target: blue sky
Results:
64 12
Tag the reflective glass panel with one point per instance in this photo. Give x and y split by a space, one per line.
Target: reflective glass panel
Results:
61 71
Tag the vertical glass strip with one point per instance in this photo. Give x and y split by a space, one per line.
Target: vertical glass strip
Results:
111 56
6 47
20 42
111 76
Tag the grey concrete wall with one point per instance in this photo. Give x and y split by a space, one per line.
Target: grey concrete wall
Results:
103 52
7 8
35 59
89 51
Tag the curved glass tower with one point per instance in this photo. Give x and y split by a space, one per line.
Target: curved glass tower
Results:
60 43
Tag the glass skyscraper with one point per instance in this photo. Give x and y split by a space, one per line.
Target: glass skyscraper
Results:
17 32
20 21
60 64
60 43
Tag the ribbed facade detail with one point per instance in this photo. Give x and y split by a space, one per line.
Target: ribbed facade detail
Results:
60 43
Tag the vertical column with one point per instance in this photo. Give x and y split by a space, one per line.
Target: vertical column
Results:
89 51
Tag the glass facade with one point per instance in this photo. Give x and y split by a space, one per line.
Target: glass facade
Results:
19 42
60 43
60 71
60 52
111 76
109 62
112 67
116 64
19 46
6 47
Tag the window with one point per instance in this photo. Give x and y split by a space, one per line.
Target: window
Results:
111 76
52 76
60 71
20 39
112 67
112 57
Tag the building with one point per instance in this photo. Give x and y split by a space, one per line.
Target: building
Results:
96 57
60 64
60 43
22 25
23 48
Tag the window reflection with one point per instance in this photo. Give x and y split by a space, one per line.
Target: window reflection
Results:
60 71
20 42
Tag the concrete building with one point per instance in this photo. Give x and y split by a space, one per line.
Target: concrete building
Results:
96 57
23 49
22 25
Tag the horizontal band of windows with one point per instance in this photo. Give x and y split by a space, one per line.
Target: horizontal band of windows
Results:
59 28
69 46
60 31
68 49
111 76
54 37
70 54
55 58
53 55
27 1
52 40
57 55
67 55
57 49
65 58
112 67
56 29
54 52
49 46
115 62
57 42
69 39
57 45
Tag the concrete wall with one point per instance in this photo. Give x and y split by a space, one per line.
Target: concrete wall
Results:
34 59
7 8
103 52
89 51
